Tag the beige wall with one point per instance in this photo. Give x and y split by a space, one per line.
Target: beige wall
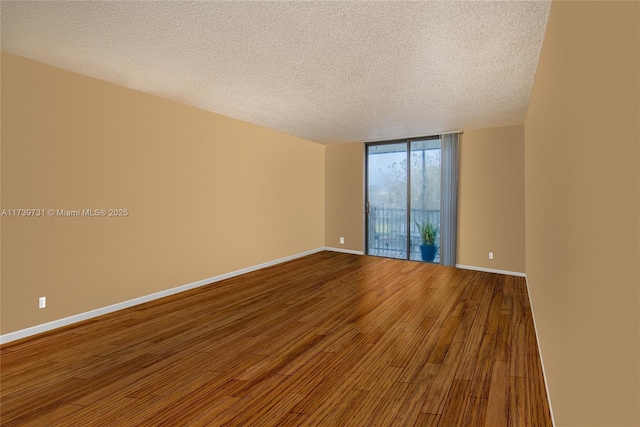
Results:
582 211
206 194
344 183
491 198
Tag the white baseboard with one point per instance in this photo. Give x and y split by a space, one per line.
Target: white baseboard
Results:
346 251
38 329
544 375
491 270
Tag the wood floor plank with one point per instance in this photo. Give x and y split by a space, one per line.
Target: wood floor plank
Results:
466 322
495 307
412 405
276 411
519 404
444 341
470 352
327 383
481 381
537 394
313 373
328 339
244 409
214 410
369 409
437 396
421 355
503 339
498 409
519 351
293 420
390 404
271 405
336 413
476 411
58 416
507 294
457 402
334 405
117 410
427 420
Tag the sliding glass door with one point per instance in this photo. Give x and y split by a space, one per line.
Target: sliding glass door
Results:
403 199
387 180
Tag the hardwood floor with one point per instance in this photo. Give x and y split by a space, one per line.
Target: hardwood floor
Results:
329 339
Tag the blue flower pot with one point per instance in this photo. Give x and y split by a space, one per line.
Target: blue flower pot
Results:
428 252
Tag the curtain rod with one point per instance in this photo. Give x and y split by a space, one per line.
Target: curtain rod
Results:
414 137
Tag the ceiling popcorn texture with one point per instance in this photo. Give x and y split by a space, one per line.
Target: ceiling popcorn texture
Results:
324 71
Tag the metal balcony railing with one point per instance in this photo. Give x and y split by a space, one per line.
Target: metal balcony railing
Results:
387 231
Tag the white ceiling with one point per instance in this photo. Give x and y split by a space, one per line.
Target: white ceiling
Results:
324 71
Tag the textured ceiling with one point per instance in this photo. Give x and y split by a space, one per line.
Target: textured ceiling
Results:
324 71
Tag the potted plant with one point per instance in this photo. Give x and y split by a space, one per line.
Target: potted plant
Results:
428 248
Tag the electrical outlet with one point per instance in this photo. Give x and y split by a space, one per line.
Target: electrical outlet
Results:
490 255
342 240
42 302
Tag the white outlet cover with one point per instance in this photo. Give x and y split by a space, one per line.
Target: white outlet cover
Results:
342 240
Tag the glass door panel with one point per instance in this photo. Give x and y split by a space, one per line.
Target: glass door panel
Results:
387 200
425 200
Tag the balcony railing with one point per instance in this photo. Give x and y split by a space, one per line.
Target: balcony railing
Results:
388 231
